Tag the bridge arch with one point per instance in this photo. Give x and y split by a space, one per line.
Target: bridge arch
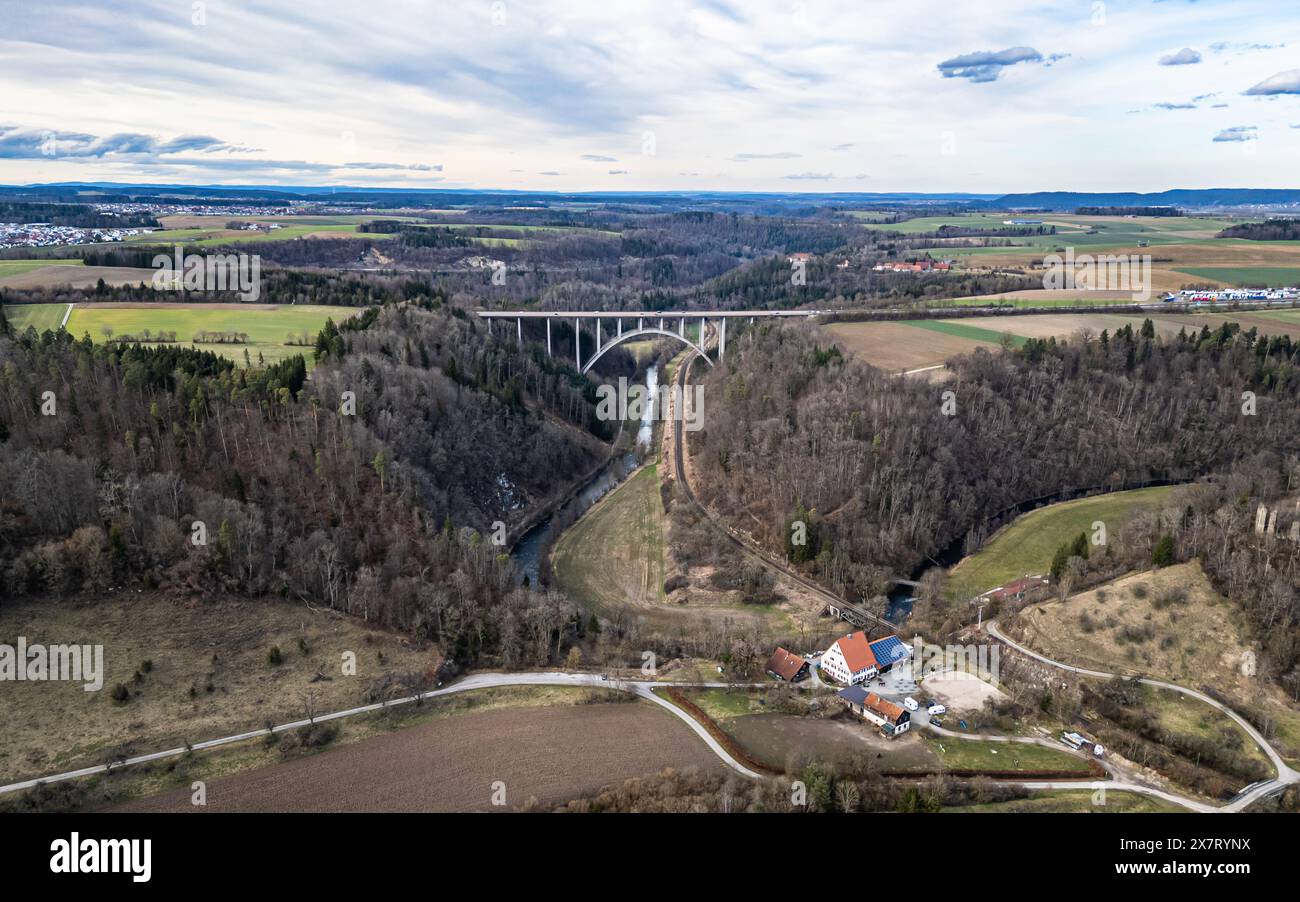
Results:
636 333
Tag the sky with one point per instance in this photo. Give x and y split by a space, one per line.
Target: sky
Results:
732 95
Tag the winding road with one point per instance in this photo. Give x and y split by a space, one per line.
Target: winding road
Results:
1286 776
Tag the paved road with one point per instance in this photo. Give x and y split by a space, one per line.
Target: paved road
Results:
1286 776
641 688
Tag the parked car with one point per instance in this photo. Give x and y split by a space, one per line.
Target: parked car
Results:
937 721
936 708
910 704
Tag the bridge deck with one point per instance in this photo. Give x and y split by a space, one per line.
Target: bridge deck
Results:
633 314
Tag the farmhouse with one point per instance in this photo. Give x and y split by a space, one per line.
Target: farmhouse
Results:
853 658
787 666
891 718
1016 589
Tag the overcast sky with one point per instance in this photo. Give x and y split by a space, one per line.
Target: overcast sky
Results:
855 95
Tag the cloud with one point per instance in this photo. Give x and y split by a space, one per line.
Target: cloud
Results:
1175 106
550 172
809 176
1238 133
1185 57
1283 83
843 147
599 158
619 172
412 167
26 144
1221 46
987 65
781 155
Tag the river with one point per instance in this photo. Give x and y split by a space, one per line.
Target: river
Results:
527 552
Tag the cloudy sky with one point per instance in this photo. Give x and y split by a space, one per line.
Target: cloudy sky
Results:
789 95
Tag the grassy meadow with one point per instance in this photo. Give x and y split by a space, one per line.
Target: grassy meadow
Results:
268 326
1027 545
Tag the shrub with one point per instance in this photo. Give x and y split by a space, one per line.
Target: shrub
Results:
274 656
1164 553
675 582
121 694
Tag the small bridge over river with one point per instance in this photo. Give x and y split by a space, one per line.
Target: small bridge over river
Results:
648 324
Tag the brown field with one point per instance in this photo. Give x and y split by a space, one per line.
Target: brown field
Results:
897 346
56 726
1065 325
1046 325
549 754
78 276
1166 259
781 739
1053 294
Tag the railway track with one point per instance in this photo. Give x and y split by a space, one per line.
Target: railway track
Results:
851 613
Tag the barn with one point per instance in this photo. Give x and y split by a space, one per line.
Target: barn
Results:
891 718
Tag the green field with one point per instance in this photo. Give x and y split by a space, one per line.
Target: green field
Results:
614 555
1247 276
221 237
973 754
932 223
1285 316
961 330
18 267
1094 234
39 316
267 328
1028 544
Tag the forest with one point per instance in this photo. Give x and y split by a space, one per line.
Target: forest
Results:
370 490
891 474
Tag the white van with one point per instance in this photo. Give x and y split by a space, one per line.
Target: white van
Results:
910 704
935 710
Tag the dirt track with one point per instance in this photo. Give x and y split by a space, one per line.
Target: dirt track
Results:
450 764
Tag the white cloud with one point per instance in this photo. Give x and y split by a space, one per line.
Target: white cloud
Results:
1283 83
1238 133
295 93
1185 57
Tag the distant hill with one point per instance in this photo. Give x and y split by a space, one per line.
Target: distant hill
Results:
761 202
1177 197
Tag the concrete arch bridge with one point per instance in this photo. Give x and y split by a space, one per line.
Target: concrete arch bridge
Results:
648 323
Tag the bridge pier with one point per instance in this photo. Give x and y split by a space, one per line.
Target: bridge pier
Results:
598 335
577 342
548 338
519 329
722 338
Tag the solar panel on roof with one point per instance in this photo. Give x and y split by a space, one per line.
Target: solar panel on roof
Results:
889 649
